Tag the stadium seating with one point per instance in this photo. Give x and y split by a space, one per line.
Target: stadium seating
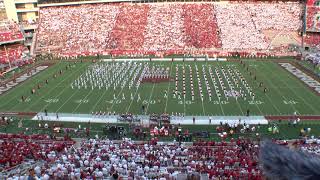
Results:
10 31
12 53
128 31
313 39
312 14
242 24
201 26
103 158
163 27
16 148
99 159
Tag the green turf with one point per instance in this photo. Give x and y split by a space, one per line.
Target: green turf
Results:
286 94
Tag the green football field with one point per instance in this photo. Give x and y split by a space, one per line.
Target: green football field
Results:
77 90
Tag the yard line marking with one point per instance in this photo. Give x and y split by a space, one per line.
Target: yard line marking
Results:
136 92
75 92
137 89
150 96
81 101
291 77
125 72
168 89
29 80
215 90
279 92
55 97
200 93
48 92
251 86
275 107
230 88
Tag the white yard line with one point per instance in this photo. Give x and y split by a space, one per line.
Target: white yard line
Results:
279 92
126 71
48 92
81 101
66 87
21 84
168 89
230 88
75 92
296 94
150 98
147 108
200 94
275 107
135 93
215 90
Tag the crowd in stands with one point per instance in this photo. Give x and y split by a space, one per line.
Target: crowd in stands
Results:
313 18
200 26
311 2
242 24
311 146
126 159
17 148
100 159
13 53
165 27
66 29
313 39
10 31
128 32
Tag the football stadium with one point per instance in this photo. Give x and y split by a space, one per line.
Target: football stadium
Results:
166 90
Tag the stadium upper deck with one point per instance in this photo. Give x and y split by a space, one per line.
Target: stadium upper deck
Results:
169 28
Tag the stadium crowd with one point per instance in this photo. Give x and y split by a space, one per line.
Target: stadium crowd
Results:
13 53
10 31
150 28
313 21
103 158
242 25
100 159
313 39
17 148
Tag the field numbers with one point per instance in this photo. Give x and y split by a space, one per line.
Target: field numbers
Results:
149 102
255 102
117 101
51 100
82 101
290 102
221 102
186 102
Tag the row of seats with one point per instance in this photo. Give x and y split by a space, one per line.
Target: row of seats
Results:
101 159
126 159
17 148
163 27
313 39
313 18
10 31
13 53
